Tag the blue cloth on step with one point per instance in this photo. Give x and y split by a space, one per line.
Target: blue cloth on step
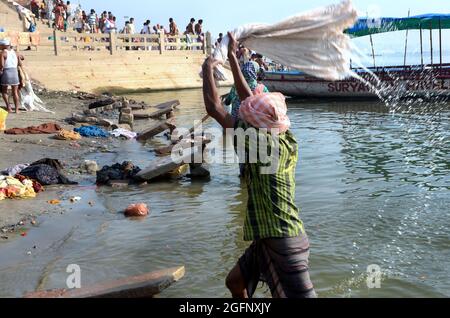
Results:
92 131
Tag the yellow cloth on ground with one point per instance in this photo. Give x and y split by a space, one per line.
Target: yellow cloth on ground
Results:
67 135
3 115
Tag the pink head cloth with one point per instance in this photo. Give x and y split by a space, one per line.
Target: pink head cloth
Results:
268 110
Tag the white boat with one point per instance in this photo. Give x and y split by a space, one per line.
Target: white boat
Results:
409 81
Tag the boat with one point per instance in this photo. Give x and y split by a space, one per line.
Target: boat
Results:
415 81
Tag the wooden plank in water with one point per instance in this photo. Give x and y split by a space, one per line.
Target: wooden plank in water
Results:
164 109
184 144
154 130
164 151
142 286
172 103
162 166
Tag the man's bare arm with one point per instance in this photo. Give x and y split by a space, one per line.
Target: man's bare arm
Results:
240 83
211 96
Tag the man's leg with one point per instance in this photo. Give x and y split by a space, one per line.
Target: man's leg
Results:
244 277
5 97
285 267
16 98
236 284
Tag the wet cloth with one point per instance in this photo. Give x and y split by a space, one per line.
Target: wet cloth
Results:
313 42
48 128
29 100
11 188
282 263
12 171
271 208
117 172
267 111
92 131
124 132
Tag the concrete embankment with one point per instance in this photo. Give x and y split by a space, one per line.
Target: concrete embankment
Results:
69 61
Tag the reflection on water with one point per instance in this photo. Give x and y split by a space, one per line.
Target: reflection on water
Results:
372 185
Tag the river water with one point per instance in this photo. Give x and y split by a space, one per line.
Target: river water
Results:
373 187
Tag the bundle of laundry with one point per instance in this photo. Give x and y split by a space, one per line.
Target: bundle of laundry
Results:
126 171
47 172
12 188
313 42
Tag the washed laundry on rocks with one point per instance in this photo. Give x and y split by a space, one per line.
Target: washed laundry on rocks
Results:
126 171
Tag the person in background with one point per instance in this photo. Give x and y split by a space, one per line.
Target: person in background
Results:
102 20
108 26
190 27
263 67
219 40
279 253
79 22
92 21
146 28
42 10
9 73
199 30
173 28
59 11
189 33
35 7
243 55
131 27
49 4
69 13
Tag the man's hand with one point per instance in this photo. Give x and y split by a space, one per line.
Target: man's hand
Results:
210 63
232 45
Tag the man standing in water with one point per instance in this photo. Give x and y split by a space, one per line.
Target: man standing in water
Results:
280 249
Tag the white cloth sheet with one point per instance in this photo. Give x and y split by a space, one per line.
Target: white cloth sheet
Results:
313 42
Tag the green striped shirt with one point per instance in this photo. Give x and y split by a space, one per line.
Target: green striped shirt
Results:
271 211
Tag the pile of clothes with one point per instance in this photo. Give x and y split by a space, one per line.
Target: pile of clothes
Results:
23 188
45 172
126 171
